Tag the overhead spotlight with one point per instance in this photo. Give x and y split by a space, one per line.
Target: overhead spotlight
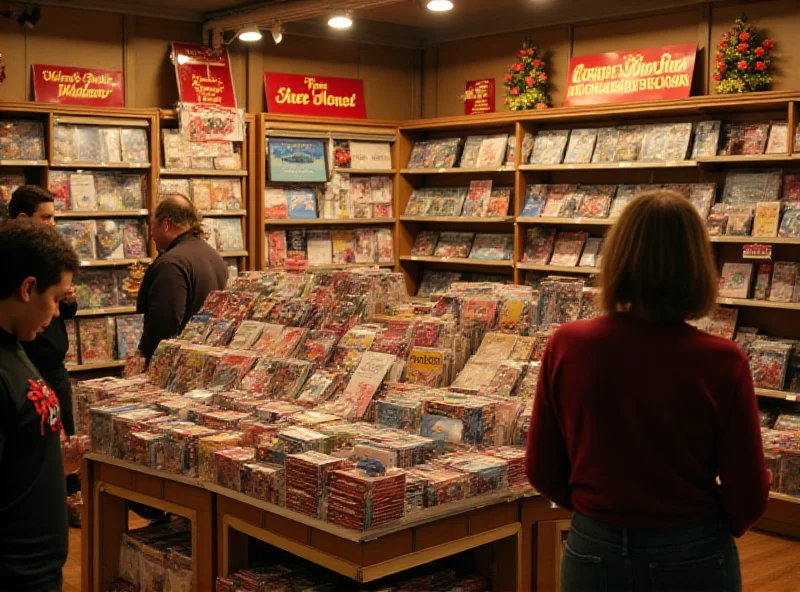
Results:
277 32
340 19
29 17
440 5
249 33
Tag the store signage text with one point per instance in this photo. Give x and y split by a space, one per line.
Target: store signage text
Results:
321 96
479 97
78 86
204 75
626 76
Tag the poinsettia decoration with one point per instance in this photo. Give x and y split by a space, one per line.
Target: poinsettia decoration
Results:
743 62
526 81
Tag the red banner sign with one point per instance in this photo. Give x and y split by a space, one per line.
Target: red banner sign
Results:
78 86
479 97
626 76
316 96
204 75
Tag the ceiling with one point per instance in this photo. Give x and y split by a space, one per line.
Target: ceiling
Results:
405 22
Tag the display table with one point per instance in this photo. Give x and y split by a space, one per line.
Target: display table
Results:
501 529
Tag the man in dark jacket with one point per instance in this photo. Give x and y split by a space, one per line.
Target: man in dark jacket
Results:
48 350
179 280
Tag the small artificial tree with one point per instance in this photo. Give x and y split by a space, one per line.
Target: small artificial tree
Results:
526 81
743 62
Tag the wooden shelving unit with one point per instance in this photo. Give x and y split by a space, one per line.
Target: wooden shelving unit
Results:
104 214
113 262
328 129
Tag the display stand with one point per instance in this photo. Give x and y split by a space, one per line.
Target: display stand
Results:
503 530
168 120
329 129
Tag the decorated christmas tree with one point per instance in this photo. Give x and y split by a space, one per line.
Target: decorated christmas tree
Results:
743 63
526 81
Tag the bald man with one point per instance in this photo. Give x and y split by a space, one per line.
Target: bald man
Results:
177 283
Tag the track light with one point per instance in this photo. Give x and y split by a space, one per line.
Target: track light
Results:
250 33
440 5
340 19
277 32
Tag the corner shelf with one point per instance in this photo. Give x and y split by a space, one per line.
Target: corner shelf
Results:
458 261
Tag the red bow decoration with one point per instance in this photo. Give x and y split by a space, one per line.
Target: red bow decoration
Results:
46 403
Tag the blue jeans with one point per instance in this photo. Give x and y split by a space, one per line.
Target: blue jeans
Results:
600 557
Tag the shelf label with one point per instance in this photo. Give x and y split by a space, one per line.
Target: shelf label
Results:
757 251
791 398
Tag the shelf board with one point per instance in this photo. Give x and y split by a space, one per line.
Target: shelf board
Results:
351 265
203 173
593 166
104 214
764 240
741 159
574 221
759 303
784 498
22 163
114 262
326 222
460 219
454 260
375 172
459 171
228 254
223 213
100 165
103 366
782 395
557 269
114 310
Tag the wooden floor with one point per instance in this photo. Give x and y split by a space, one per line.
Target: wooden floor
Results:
769 563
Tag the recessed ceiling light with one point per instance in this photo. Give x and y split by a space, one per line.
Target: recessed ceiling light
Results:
250 33
440 5
340 19
277 32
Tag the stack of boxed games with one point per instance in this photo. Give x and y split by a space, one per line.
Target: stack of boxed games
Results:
360 500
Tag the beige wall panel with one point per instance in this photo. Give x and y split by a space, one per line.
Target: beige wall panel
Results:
430 82
155 75
389 81
779 21
83 38
238 56
488 57
12 46
639 33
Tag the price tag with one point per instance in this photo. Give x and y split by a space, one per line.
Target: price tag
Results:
442 170
763 252
623 165
791 398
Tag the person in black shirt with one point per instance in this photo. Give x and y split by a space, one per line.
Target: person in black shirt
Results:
38 265
179 280
49 349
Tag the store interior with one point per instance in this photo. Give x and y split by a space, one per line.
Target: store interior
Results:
351 412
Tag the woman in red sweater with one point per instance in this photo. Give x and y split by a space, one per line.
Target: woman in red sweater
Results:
645 426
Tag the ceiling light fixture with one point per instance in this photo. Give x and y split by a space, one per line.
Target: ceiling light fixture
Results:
249 34
440 5
340 19
277 32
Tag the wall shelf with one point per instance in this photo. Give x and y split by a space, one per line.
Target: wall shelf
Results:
328 222
457 261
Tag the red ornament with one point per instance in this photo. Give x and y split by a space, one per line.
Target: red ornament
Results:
760 51
530 81
537 63
509 77
742 65
721 46
46 404
741 48
768 44
744 36
722 67
761 66
531 51
515 91
518 67
717 77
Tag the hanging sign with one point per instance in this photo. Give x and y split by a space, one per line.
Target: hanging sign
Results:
315 96
204 75
78 86
479 97
757 252
628 76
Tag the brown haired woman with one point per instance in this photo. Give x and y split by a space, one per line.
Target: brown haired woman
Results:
645 426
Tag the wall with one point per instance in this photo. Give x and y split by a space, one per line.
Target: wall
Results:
449 65
139 47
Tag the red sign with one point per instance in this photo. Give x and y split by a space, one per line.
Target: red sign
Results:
479 97
757 251
204 75
319 96
626 76
78 86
